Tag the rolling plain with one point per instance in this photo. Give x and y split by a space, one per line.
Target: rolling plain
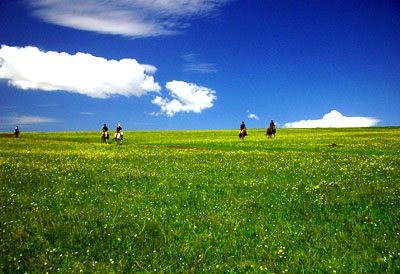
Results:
308 200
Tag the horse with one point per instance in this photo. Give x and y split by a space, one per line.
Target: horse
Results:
118 137
104 137
270 131
242 133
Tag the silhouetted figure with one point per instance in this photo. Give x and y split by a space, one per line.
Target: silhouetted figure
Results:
16 132
272 124
271 130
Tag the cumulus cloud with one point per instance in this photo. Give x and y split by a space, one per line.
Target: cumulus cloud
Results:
334 119
186 97
134 18
97 77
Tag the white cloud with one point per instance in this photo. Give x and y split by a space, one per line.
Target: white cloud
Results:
253 116
134 18
186 97
334 119
31 68
26 120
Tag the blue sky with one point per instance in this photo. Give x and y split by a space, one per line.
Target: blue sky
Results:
191 64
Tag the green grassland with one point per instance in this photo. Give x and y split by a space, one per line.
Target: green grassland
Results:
309 200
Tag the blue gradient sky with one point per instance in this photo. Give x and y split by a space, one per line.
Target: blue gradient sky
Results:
198 65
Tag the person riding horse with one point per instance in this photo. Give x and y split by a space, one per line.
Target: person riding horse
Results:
119 135
243 131
16 132
104 134
271 130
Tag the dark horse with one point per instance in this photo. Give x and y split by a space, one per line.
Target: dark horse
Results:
270 131
242 133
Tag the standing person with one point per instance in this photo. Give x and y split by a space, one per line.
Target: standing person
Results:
243 131
16 131
104 134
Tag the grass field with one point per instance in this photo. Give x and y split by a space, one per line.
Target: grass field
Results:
310 200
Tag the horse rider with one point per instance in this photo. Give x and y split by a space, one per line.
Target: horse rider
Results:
104 135
243 131
16 131
119 132
272 124
271 130
119 128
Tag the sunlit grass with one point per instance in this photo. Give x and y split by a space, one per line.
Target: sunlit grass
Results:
320 200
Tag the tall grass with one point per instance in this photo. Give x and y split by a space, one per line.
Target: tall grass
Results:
318 200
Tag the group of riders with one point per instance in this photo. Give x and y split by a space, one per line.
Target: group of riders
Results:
118 135
269 132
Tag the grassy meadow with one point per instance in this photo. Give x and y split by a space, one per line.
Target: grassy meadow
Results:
309 200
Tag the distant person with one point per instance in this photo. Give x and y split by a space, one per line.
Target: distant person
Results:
272 124
104 134
16 132
105 128
243 131
119 128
